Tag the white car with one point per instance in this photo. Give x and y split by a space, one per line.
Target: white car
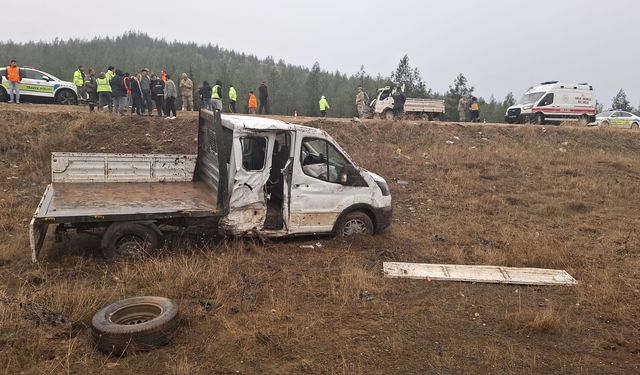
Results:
617 118
39 86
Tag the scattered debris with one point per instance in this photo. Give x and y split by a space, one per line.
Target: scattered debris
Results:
456 138
481 274
365 295
207 305
562 149
355 119
450 142
307 247
440 238
565 143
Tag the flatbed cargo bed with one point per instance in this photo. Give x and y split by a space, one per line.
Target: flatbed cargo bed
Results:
95 202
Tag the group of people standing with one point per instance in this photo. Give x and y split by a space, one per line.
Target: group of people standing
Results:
469 103
212 97
116 90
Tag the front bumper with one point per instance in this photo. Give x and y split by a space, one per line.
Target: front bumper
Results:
383 218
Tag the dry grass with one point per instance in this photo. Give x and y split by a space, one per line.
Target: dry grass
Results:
534 321
498 195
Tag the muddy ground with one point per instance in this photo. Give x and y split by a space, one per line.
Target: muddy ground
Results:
556 197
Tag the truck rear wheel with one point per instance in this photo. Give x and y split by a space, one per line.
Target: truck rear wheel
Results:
583 120
122 240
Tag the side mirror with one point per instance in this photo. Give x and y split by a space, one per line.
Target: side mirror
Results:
45 78
344 178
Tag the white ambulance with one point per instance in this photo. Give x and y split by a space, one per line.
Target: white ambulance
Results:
554 102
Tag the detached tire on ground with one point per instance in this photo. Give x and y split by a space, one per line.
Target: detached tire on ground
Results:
134 324
356 222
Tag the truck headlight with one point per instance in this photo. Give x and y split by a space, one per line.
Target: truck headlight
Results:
384 188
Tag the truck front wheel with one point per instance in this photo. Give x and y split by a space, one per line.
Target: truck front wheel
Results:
122 240
389 115
356 222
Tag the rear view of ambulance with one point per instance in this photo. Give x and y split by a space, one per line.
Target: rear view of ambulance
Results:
554 102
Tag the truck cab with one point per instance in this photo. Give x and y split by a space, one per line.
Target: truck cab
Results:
418 108
554 102
287 179
251 177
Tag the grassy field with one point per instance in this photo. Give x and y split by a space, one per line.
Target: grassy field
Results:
529 196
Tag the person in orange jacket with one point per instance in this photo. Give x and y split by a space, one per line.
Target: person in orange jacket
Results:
252 103
163 76
14 76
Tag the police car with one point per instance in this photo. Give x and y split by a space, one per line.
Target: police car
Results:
617 118
37 85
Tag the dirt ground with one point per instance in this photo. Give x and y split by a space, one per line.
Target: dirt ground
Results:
529 196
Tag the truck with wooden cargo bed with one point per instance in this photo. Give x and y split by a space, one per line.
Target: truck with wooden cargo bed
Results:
251 177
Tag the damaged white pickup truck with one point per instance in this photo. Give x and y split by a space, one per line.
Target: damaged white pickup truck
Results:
251 177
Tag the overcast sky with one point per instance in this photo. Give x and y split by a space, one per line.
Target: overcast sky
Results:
500 45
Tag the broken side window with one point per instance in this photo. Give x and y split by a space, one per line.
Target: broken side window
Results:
253 153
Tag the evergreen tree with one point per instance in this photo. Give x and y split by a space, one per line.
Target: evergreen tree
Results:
620 102
456 91
509 100
314 91
410 78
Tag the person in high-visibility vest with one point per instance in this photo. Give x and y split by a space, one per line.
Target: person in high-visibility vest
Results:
14 76
233 96
111 72
252 103
216 96
324 105
78 80
104 92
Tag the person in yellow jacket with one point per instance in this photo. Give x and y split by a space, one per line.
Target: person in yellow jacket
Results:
474 110
78 80
104 91
233 97
216 96
324 105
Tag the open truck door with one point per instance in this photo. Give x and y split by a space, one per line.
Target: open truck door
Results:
249 170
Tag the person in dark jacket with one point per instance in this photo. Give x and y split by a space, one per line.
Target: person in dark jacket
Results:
119 93
398 103
157 91
91 88
205 95
136 95
263 93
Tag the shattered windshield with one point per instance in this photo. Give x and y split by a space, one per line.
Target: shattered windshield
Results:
530 98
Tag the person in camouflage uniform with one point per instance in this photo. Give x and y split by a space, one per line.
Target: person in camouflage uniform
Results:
462 108
186 89
360 101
